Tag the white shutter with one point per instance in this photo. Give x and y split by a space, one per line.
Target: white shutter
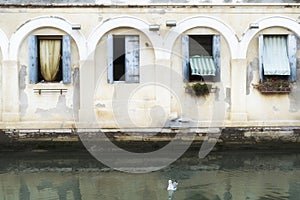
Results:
33 59
66 59
110 58
185 57
132 59
261 57
292 51
216 55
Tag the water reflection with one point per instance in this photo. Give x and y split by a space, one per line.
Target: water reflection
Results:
220 176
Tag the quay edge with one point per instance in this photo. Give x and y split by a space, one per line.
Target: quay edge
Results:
39 140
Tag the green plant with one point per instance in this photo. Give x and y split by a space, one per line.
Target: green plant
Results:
273 86
198 89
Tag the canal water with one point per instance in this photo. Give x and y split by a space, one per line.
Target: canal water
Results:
226 175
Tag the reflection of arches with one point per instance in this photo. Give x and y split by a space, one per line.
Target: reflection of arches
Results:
40 22
202 21
278 21
4 45
119 22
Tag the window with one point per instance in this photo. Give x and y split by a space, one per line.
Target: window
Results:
123 58
49 59
201 57
277 57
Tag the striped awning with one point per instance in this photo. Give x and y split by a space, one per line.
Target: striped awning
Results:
275 57
202 66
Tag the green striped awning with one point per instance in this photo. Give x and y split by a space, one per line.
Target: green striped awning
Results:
275 57
202 66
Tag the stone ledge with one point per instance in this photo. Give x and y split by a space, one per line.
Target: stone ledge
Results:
256 138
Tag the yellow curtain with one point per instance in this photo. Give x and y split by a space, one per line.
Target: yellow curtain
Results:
49 58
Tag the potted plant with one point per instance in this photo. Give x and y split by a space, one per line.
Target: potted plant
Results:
273 85
198 89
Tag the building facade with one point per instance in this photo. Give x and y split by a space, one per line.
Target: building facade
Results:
110 65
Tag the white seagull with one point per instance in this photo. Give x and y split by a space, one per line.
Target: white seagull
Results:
172 186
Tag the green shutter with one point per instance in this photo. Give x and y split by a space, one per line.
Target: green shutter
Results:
33 62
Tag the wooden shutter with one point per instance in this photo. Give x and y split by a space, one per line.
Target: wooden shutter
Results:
292 51
33 59
260 59
216 55
185 57
132 59
110 58
66 59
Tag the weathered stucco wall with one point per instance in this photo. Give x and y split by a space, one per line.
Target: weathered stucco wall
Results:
47 106
160 96
143 2
269 107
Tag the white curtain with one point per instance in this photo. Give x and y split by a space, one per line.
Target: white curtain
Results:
50 58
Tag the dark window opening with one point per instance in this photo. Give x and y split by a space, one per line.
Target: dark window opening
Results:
59 75
201 45
119 58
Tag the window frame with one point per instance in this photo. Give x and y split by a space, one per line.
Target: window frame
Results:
59 76
216 45
291 54
34 58
131 61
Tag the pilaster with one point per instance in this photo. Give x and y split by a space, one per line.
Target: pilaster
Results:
10 91
238 90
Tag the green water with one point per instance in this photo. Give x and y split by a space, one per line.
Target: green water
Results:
255 175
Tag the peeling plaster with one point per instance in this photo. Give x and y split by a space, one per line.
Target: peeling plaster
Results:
228 98
22 86
252 67
61 109
217 94
100 105
294 96
76 92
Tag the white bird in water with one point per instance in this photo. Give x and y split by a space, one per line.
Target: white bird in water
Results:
172 186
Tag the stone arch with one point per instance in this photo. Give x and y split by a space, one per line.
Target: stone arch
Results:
53 22
202 21
95 36
275 21
120 22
